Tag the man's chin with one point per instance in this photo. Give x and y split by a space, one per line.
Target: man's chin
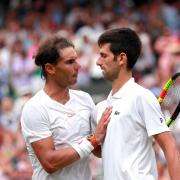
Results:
73 82
105 76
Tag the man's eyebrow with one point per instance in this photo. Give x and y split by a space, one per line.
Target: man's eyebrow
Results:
102 53
71 59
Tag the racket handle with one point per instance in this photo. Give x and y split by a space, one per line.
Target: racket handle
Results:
169 122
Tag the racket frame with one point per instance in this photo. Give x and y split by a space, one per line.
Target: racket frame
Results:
163 94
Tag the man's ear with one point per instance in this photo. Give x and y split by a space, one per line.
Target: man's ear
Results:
122 58
49 68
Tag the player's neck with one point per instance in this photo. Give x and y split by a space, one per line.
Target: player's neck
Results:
118 83
59 94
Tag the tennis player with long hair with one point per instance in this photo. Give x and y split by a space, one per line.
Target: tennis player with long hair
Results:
136 118
56 121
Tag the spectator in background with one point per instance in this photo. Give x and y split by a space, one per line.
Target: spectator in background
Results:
146 62
14 163
8 117
83 79
4 67
169 57
22 70
170 13
95 71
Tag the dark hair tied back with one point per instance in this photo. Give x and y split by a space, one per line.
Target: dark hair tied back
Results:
50 51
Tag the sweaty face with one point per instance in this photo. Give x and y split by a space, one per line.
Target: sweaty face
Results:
108 63
66 71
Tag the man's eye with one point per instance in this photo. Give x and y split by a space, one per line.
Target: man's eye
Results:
70 61
103 56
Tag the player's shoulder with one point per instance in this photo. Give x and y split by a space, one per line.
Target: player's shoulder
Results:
140 90
35 101
144 94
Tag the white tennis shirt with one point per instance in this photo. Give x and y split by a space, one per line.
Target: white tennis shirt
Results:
43 117
127 149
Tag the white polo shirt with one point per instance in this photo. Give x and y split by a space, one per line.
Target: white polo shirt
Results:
127 149
43 117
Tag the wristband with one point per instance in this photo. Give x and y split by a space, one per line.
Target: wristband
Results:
84 148
92 139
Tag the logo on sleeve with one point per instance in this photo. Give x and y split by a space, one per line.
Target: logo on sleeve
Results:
161 120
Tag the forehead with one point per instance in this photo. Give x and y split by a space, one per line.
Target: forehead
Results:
68 53
105 48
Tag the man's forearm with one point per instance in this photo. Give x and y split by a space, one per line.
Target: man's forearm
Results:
173 161
57 159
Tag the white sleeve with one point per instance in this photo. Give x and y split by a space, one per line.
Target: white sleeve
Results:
151 114
35 124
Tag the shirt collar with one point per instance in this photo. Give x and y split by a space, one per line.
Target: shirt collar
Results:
124 89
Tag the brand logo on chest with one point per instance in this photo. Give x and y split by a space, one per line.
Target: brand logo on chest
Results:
116 113
70 114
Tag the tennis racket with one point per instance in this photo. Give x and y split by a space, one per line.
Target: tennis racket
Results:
169 99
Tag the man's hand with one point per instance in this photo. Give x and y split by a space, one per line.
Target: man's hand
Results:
102 125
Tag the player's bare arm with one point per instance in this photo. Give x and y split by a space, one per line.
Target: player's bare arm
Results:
52 159
167 143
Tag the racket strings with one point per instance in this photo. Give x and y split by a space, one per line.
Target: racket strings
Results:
172 98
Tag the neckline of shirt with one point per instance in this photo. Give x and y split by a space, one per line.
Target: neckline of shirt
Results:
124 89
54 101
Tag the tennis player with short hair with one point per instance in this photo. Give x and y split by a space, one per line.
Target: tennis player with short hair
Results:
56 121
136 118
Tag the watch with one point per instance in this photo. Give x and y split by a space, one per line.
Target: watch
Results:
92 139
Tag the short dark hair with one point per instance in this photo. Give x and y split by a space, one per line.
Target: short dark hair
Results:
122 40
49 51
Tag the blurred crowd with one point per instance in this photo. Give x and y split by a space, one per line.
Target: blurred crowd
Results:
25 23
